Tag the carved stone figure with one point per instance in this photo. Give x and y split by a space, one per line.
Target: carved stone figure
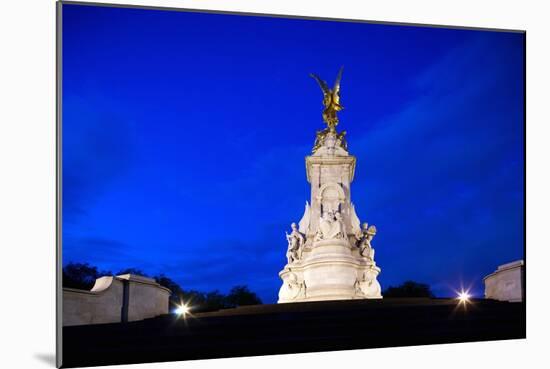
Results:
341 140
364 243
325 225
331 226
367 286
357 286
370 285
339 227
293 287
295 242
320 139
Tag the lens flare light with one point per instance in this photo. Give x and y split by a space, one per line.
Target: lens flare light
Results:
463 297
182 309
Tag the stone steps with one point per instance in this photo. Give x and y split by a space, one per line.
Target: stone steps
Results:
291 328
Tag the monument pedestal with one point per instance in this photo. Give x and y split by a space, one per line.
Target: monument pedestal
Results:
331 270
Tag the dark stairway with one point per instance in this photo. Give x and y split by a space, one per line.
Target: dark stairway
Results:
293 328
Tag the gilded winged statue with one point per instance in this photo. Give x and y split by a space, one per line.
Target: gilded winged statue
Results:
331 102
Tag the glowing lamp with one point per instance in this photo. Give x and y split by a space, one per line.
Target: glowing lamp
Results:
182 309
463 296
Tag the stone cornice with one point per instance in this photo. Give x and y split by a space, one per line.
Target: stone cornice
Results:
330 160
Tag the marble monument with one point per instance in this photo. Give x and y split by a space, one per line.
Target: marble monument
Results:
330 255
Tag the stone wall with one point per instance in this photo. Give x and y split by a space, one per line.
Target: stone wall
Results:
146 299
117 299
506 283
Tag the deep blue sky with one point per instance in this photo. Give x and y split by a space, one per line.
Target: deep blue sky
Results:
184 137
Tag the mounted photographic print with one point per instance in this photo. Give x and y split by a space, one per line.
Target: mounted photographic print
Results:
239 184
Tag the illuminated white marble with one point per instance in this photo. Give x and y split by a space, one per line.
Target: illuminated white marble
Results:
332 258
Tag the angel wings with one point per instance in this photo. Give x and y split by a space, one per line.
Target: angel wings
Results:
331 100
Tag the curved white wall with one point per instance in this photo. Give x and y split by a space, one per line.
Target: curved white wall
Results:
104 303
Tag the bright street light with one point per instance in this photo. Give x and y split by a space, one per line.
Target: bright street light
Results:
463 297
182 309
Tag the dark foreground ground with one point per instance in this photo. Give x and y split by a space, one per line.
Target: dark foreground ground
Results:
293 328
